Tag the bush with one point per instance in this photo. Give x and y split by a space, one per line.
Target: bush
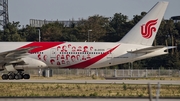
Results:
93 94
124 87
140 95
94 76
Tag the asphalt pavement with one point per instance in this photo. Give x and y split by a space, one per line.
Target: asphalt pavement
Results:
83 99
99 81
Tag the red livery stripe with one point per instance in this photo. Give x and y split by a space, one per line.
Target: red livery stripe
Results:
91 61
41 46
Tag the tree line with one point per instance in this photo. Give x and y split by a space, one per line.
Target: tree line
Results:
104 29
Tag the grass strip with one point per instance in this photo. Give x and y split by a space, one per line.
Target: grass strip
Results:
84 90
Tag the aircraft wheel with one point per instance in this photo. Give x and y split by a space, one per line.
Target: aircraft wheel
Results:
26 76
18 76
21 76
4 76
11 77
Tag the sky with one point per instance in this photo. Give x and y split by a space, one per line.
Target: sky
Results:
24 10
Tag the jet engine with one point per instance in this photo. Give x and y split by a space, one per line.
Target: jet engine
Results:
25 63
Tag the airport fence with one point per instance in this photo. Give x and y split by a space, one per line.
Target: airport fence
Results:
110 72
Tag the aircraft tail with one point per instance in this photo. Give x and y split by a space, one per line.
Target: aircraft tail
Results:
146 29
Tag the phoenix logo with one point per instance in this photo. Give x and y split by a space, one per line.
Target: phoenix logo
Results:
148 28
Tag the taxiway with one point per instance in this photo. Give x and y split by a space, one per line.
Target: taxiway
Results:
98 81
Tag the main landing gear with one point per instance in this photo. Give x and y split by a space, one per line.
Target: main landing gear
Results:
17 76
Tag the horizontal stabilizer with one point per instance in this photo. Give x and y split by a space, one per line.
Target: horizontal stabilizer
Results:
151 49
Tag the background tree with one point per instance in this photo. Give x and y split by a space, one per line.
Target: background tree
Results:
95 23
31 33
52 32
11 32
118 23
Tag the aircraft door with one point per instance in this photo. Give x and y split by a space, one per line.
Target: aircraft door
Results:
53 53
110 57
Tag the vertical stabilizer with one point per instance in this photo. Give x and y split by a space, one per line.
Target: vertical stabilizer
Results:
146 29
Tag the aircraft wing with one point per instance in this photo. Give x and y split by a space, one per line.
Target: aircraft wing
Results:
150 49
14 56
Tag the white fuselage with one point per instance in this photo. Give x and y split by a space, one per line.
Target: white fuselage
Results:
81 54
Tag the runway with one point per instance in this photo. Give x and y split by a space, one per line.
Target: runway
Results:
82 99
98 81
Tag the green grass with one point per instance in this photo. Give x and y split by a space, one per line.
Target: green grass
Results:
84 90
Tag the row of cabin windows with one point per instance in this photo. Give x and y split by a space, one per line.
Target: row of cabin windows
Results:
82 53
74 53
37 53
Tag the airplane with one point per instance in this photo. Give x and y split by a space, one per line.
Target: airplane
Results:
15 57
